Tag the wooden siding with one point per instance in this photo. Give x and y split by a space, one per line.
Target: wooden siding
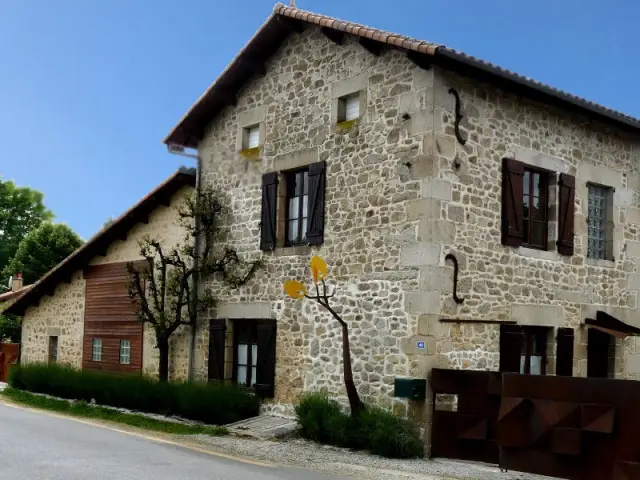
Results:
111 316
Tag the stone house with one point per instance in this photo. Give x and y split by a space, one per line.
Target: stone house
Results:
472 218
393 158
80 313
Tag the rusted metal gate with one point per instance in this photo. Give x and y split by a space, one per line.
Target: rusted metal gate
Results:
574 428
9 354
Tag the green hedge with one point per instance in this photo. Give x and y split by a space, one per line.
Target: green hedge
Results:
211 403
322 420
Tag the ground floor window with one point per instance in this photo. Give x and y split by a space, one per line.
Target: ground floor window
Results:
523 349
601 354
53 349
96 350
125 352
244 352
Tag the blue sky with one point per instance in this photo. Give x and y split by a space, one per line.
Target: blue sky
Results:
88 89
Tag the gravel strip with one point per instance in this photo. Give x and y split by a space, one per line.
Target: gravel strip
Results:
302 453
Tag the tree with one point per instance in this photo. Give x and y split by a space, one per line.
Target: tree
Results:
21 210
163 283
297 290
9 328
41 250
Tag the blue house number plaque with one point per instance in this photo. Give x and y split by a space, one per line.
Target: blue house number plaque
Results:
421 345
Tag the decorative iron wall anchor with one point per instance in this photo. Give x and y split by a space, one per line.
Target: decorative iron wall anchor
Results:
456 298
454 92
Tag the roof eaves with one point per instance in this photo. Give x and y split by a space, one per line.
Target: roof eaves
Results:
183 176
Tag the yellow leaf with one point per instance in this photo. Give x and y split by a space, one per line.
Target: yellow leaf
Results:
294 289
318 269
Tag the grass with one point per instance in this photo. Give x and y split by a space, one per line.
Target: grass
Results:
84 410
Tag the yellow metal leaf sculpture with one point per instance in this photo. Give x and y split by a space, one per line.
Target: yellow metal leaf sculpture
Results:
318 269
294 289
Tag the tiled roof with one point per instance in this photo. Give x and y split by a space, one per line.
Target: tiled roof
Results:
284 19
101 240
6 296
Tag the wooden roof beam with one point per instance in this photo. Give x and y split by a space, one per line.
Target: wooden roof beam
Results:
372 46
335 36
421 60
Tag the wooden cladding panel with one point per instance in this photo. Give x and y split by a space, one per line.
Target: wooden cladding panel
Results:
111 316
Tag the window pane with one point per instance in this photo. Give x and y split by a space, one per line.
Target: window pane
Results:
125 352
597 218
299 183
253 137
352 107
294 207
523 358
536 365
536 184
242 354
304 228
306 183
242 375
305 206
253 375
96 353
254 355
540 213
537 233
526 181
293 231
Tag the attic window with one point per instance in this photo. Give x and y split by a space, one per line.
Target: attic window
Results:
349 108
251 137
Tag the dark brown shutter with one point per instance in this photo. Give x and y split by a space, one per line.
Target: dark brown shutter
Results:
315 225
268 219
510 348
512 202
566 196
564 352
266 368
217 331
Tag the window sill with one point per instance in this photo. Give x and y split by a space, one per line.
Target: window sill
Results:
537 253
597 262
250 153
347 124
292 251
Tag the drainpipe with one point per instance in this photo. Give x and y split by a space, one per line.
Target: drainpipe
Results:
179 150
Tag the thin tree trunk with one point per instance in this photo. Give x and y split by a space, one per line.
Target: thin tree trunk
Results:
352 393
163 348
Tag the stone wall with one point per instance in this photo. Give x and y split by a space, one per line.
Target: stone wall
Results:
61 315
401 194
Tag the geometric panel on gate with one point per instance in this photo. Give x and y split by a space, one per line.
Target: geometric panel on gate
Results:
597 418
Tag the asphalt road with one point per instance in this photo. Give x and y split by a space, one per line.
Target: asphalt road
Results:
38 446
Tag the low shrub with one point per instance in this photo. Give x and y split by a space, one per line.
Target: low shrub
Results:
322 420
212 403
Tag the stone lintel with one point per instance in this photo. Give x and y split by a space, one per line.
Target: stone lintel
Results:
350 85
538 315
295 159
540 160
244 310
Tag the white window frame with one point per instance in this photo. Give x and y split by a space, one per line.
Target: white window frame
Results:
349 107
96 350
125 352
252 137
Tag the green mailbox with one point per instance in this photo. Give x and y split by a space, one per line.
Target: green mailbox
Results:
412 388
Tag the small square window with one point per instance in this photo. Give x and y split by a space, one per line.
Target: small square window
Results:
96 351
125 352
251 137
349 108
598 238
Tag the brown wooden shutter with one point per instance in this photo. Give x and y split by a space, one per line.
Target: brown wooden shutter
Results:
510 348
315 225
566 201
512 202
266 368
564 352
268 219
217 331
